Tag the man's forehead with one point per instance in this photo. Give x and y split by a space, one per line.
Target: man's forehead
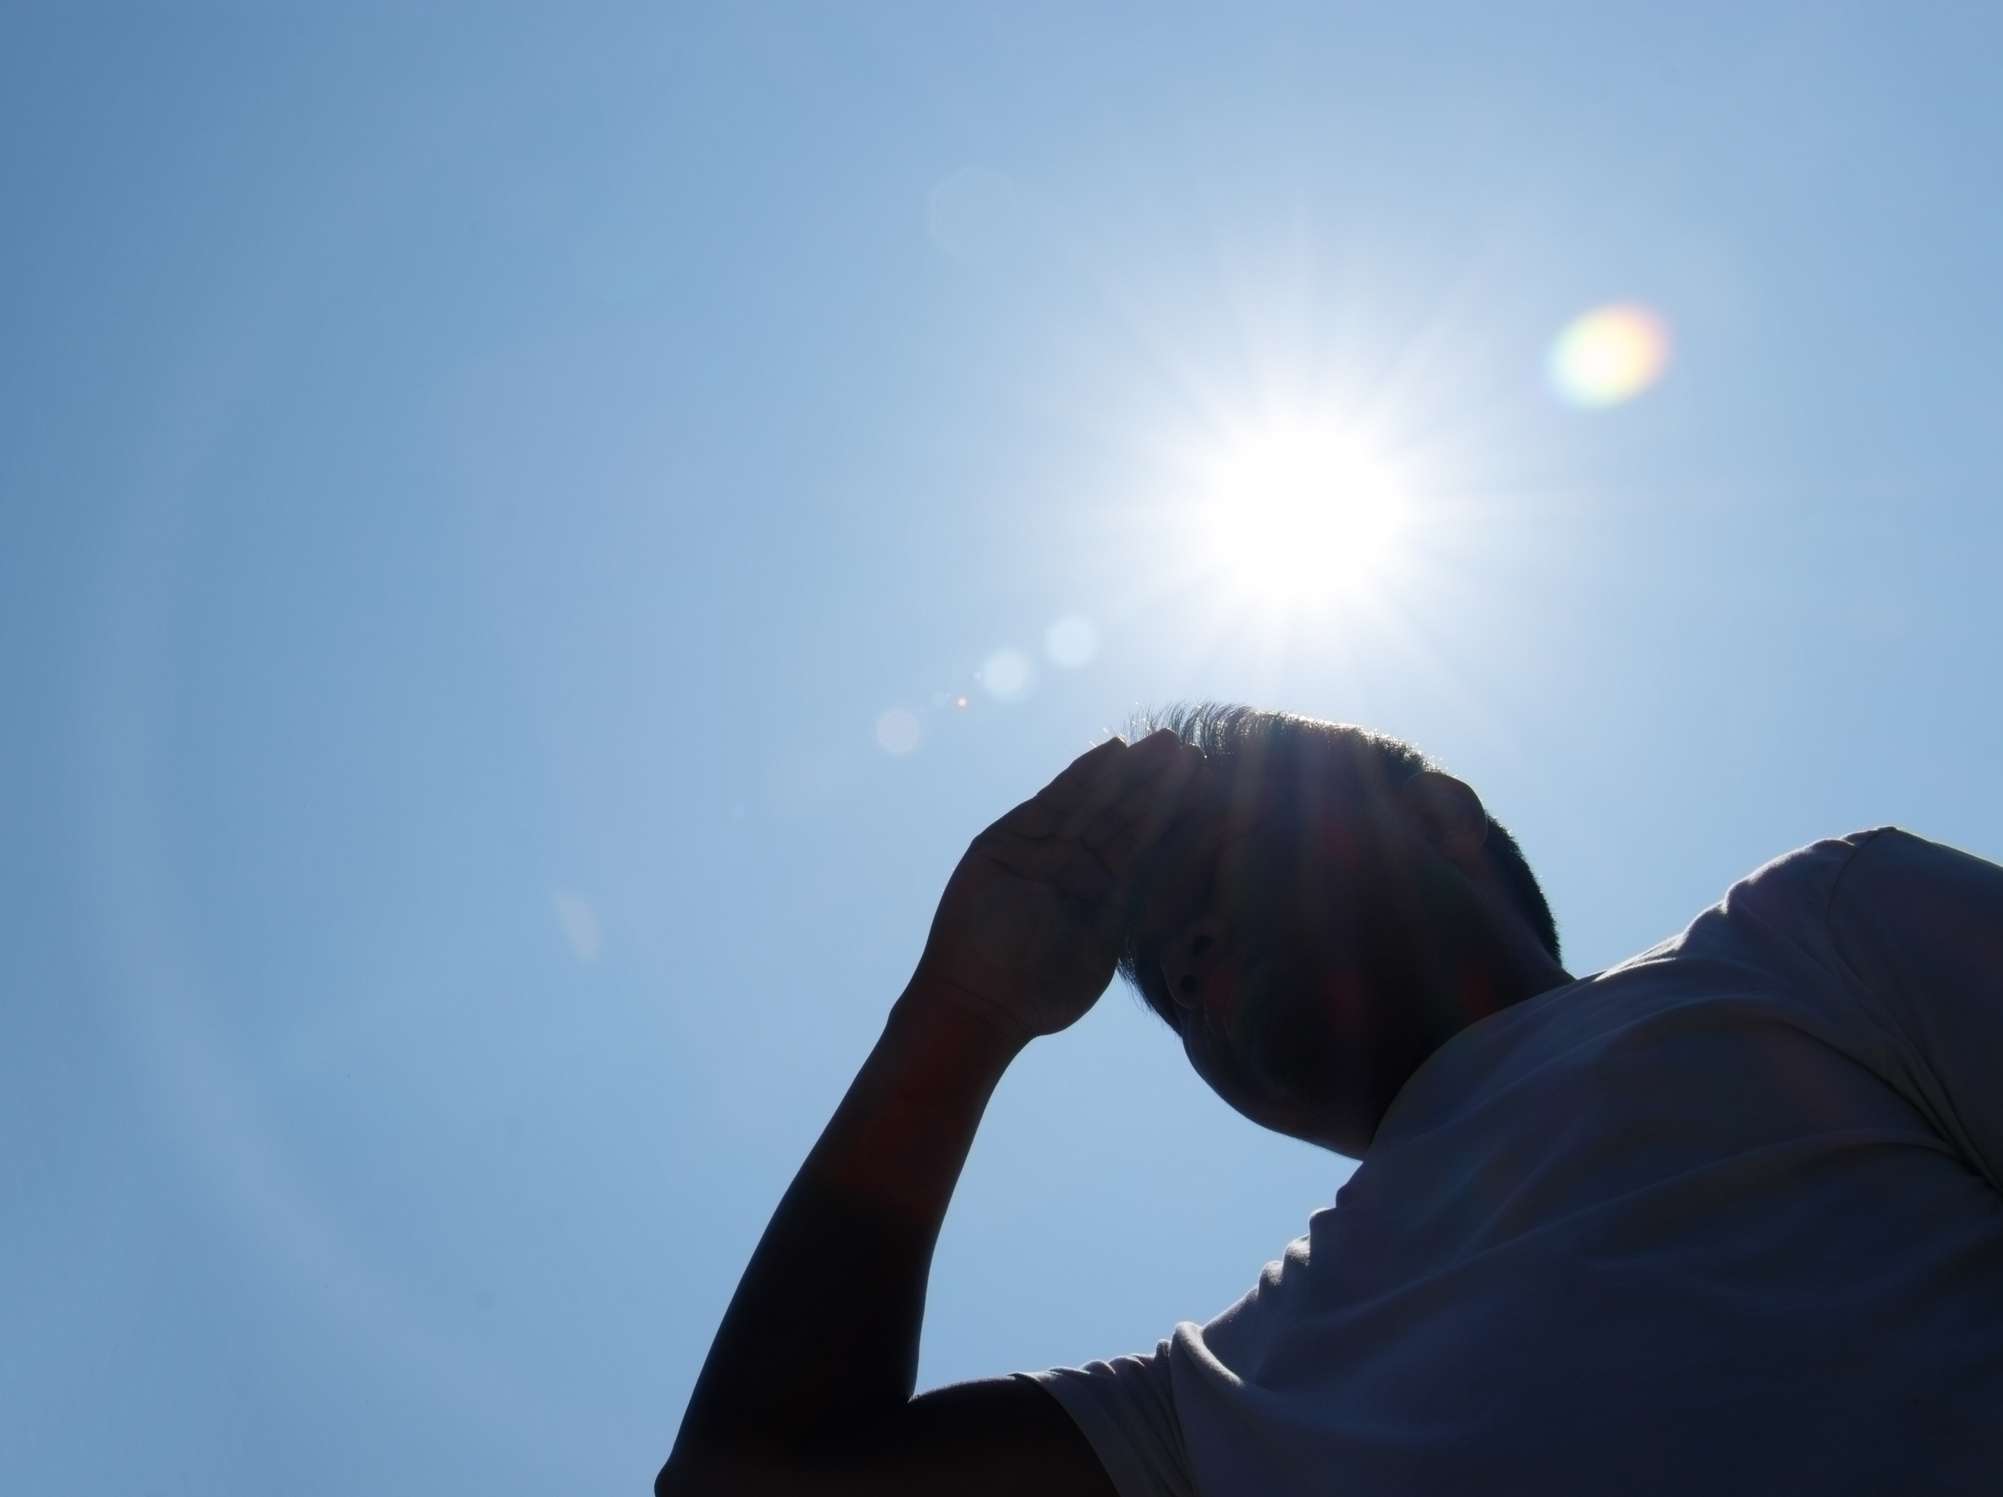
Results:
1295 774
1254 800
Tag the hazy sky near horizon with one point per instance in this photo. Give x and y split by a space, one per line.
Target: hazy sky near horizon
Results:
535 536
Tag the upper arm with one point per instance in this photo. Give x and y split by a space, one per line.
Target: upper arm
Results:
1000 1437
1922 926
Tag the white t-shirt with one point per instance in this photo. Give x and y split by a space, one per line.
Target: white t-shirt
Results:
1727 1218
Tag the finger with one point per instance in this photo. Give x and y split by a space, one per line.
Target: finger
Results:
1084 778
1107 790
1070 867
1176 767
1142 763
1044 813
1070 804
1129 843
1109 921
1165 784
1061 864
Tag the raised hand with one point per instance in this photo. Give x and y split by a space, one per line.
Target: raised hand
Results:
807 1389
1029 927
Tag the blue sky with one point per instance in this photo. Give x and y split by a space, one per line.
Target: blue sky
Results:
475 481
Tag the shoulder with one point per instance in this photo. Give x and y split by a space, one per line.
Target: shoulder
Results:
1806 877
1838 867
1779 908
1868 925
1789 899
1903 897
1887 882
1892 855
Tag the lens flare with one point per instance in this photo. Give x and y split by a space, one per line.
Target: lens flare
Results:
1008 675
580 923
1072 642
897 731
1609 355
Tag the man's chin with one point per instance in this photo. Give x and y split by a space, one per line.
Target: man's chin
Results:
1277 1109
1307 1126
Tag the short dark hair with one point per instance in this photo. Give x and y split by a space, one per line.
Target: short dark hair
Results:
1375 760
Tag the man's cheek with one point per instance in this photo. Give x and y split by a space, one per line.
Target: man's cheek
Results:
1291 1041
1251 1017
1219 993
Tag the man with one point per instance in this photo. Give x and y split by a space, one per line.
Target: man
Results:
1724 1218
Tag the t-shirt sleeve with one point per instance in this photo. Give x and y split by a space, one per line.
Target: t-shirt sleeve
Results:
1126 1409
1921 926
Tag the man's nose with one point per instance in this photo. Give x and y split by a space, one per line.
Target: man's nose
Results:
1188 961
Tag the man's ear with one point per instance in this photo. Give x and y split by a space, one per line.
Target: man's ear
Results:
1188 961
1447 811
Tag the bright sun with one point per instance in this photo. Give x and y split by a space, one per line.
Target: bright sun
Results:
1299 514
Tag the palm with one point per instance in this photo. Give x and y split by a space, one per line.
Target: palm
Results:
1029 927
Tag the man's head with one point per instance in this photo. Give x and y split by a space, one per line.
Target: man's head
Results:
1332 911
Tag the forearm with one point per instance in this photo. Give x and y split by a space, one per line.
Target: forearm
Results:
807 1389
821 1338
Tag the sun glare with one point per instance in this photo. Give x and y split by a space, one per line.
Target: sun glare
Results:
1300 514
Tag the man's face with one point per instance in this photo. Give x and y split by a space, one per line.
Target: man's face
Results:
1299 931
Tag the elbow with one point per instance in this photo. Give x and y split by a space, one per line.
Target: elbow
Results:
713 1473
686 1476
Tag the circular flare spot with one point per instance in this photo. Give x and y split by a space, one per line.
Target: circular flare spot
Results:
897 731
1007 675
1609 355
1071 642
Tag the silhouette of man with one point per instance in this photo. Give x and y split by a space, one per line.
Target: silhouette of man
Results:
1727 1217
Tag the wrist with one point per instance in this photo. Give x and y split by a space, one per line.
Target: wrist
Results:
902 1132
952 1023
